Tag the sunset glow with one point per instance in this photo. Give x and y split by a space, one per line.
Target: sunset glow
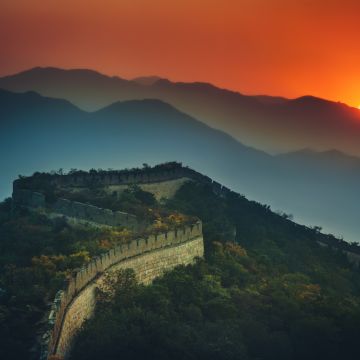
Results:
278 47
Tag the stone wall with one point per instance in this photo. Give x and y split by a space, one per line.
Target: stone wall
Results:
76 210
141 176
159 181
82 179
352 257
28 198
149 258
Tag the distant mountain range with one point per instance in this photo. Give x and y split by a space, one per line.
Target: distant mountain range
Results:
42 134
273 124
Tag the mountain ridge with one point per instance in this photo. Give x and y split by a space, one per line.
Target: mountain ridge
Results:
156 78
127 134
272 124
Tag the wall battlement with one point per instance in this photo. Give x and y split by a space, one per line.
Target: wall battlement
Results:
149 257
82 179
76 210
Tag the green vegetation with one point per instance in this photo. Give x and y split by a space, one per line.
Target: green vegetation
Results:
42 180
37 255
272 294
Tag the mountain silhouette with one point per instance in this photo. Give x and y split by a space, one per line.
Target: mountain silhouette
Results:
43 134
273 124
147 80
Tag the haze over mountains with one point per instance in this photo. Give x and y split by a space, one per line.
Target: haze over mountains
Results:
273 124
42 134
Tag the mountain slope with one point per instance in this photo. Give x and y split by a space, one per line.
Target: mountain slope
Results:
270 123
42 134
273 294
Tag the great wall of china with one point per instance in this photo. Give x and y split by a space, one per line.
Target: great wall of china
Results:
149 257
109 179
76 212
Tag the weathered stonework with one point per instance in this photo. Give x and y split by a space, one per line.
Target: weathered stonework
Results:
149 258
162 183
75 211
28 198
108 179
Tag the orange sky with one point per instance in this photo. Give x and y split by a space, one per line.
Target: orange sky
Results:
278 47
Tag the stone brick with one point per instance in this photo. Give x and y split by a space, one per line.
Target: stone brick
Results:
149 258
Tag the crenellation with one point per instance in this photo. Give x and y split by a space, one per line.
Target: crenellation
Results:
112 254
112 178
164 241
71 286
180 234
142 245
151 240
103 258
198 227
91 270
157 254
76 210
99 265
80 280
149 256
121 253
171 236
124 249
133 248
160 239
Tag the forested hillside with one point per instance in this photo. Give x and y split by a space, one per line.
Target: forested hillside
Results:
127 134
273 293
268 288
38 254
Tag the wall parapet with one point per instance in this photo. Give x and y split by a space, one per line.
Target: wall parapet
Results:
88 274
77 210
159 173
